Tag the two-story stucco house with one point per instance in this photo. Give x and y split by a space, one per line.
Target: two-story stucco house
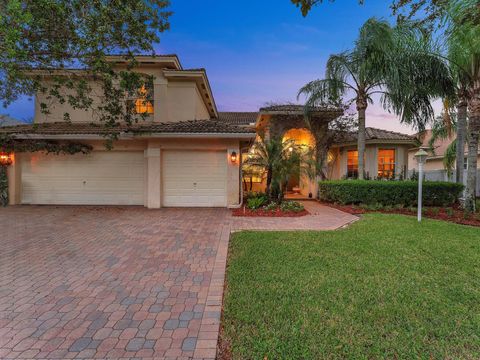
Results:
185 153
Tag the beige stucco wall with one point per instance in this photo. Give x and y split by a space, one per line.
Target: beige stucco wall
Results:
174 100
184 102
152 166
371 159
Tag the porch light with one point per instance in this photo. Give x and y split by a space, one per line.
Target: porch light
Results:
233 157
5 159
421 157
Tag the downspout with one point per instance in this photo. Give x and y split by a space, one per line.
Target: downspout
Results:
239 205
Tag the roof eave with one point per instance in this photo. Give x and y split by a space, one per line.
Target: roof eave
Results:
377 141
124 135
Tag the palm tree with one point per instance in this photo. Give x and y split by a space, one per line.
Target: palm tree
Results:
464 40
279 159
355 73
376 66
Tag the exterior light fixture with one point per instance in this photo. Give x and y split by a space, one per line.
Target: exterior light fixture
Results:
233 157
290 149
421 157
5 159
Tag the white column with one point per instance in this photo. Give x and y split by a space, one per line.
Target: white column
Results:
14 181
153 178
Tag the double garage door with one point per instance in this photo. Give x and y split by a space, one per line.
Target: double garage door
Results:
189 178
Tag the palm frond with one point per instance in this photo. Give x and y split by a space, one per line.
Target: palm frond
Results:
449 158
323 92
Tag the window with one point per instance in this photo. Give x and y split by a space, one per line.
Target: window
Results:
386 164
352 164
143 104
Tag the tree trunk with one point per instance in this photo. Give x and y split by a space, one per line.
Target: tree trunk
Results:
461 132
320 133
269 181
473 130
361 108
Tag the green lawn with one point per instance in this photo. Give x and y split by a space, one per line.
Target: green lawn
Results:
386 287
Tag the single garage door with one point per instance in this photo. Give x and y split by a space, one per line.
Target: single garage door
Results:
194 178
99 178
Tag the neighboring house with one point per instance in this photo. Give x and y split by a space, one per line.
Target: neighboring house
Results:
434 167
185 154
6 120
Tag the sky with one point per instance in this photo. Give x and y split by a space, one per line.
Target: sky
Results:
258 52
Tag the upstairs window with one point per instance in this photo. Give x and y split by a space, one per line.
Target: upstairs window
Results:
352 164
386 164
142 102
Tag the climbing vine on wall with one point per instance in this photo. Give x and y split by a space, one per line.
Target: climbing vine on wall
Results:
9 144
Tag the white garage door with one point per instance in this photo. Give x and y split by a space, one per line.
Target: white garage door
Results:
194 178
99 178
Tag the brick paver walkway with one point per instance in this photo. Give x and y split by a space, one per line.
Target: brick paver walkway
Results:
84 282
321 218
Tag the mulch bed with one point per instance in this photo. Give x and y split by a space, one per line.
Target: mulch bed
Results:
243 211
457 215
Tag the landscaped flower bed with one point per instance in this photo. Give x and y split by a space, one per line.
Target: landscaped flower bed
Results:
259 205
244 211
452 214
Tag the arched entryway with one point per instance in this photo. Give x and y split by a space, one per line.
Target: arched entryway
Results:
300 186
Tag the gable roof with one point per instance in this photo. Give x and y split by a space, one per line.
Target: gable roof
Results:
58 129
238 118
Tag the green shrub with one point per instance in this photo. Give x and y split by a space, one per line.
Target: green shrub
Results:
292 206
449 212
254 194
257 202
393 193
272 206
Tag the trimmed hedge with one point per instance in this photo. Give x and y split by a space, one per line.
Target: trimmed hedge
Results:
389 193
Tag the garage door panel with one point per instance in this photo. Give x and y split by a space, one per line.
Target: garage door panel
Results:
194 178
100 178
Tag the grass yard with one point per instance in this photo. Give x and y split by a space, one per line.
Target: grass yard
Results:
386 287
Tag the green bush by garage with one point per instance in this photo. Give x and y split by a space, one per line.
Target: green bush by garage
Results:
389 193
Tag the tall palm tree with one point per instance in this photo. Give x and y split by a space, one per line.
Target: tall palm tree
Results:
354 77
408 81
464 39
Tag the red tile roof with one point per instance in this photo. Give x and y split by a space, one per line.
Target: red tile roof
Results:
183 127
238 118
375 134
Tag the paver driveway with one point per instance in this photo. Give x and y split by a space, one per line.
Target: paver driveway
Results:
82 282
86 282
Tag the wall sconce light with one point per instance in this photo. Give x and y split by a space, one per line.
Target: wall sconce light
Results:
5 159
233 157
